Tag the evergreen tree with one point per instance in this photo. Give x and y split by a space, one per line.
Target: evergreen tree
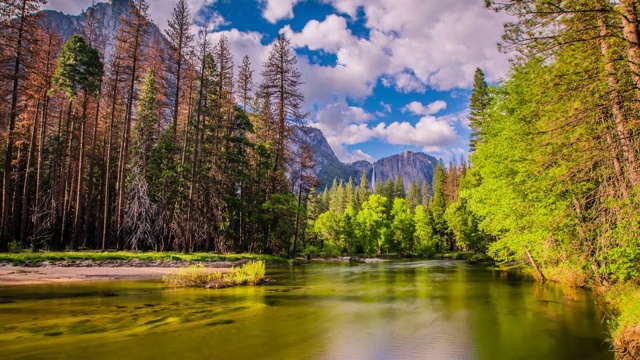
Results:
245 83
398 188
180 38
414 196
425 195
437 204
281 85
480 100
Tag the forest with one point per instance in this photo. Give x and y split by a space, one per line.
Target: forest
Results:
162 145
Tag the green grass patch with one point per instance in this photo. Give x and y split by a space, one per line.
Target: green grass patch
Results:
625 328
35 258
251 273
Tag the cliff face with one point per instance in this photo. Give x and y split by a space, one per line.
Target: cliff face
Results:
105 17
328 166
411 166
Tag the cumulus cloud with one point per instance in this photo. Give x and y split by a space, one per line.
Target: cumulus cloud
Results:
331 35
417 108
275 10
430 133
385 106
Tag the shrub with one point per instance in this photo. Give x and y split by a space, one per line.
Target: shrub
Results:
251 273
311 251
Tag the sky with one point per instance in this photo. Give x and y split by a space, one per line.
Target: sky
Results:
380 76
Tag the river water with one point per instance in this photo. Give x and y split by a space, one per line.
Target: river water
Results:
393 310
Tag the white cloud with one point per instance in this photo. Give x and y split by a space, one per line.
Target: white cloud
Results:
330 34
417 108
385 106
275 10
430 133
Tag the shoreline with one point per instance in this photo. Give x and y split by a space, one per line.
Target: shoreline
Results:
11 275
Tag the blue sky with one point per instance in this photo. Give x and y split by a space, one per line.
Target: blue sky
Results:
381 76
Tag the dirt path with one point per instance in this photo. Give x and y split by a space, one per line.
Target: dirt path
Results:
18 275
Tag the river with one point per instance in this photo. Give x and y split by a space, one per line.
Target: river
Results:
391 310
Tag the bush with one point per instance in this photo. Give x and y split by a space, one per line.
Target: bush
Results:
330 250
251 273
311 251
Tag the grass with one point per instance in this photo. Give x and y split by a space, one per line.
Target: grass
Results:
251 273
625 329
34 258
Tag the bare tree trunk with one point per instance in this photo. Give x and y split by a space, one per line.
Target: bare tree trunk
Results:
66 203
534 264
25 188
8 158
43 133
76 217
92 166
628 150
632 35
107 177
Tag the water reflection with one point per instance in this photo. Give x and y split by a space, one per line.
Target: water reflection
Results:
399 310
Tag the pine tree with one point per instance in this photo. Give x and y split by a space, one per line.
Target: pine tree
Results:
245 83
480 100
180 38
281 84
425 195
437 204
362 192
414 196
399 191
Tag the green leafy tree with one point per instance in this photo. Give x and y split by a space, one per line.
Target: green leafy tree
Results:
402 227
373 224
426 243
348 238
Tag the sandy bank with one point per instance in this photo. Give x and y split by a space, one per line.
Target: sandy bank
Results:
19 275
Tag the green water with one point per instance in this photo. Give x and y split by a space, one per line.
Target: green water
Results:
398 310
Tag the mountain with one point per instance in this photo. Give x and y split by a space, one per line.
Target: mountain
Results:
328 166
105 17
411 166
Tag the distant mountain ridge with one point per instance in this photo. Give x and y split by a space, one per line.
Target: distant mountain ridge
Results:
410 166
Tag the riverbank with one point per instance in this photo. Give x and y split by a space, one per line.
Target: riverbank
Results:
129 258
11 275
29 268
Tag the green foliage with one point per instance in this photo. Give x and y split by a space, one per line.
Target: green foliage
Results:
311 251
372 224
402 227
414 196
480 101
348 237
426 243
79 68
